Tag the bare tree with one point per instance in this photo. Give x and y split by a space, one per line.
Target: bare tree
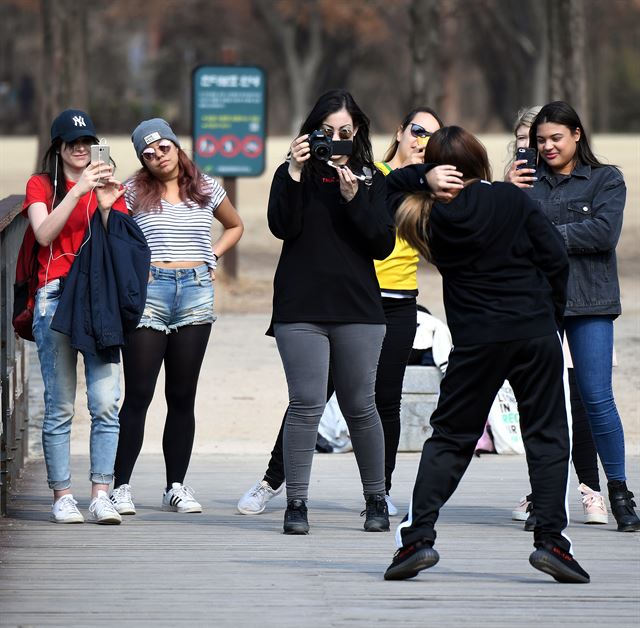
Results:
297 29
567 59
425 52
450 17
63 66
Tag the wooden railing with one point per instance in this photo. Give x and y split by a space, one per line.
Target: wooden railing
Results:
14 381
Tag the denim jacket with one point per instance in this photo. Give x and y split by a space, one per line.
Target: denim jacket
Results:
586 207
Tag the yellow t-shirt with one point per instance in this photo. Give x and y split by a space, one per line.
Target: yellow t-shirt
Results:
398 272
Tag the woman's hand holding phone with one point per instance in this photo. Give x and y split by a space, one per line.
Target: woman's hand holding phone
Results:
522 177
108 192
91 178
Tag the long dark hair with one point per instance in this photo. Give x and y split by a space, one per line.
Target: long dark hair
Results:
450 145
149 189
393 148
560 112
52 167
328 103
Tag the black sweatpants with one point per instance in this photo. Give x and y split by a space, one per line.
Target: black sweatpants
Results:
534 368
401 320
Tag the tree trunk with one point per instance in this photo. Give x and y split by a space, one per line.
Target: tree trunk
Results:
425 75
302 67
566 26
63 71
449 102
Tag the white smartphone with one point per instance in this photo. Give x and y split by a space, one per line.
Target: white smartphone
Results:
100 152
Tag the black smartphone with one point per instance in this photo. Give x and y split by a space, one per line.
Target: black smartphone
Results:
530 154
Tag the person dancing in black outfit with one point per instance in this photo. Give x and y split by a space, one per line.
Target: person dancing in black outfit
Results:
504 270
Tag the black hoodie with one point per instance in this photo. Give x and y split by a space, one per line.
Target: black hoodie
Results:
503 264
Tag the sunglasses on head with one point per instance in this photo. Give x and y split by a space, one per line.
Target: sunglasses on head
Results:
149 154
419 131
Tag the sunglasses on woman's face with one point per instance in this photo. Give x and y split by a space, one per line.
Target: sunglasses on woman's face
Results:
149 154
345 133
83 143
419 131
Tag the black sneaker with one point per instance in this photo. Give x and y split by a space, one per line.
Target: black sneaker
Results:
622 506
560 564
295 517
377 514
409 561
530 523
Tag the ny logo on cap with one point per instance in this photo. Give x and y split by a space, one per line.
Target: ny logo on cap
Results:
78 121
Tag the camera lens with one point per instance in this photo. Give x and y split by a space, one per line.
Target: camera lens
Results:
322 151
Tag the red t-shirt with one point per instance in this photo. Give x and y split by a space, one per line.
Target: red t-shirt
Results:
69 240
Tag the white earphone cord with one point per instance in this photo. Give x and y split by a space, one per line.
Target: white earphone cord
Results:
51 258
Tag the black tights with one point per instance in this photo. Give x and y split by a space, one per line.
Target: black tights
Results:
585 457
146 350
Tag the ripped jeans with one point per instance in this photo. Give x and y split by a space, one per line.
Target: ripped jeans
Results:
177 297
58 365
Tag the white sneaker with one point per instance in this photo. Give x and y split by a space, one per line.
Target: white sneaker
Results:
393 511
121 499
522 510
593 505
102 511
179 498
65 510
255 500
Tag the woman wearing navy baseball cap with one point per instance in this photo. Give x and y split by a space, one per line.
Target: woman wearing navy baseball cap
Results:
59 203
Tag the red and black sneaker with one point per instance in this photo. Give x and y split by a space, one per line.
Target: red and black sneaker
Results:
560 564
409 561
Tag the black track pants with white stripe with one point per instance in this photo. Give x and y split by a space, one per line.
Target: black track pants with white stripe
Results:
534 368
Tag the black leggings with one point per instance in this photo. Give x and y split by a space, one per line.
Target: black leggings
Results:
401 322
585 457
146 350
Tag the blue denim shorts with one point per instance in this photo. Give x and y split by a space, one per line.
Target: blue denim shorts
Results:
178 297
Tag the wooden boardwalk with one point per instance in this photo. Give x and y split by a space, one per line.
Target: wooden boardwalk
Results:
224 569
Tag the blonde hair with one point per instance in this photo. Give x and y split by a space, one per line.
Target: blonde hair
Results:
525 117
412 221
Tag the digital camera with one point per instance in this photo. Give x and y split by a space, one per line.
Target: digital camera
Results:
320 145
323 147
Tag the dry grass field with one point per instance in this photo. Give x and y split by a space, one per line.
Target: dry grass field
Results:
258 252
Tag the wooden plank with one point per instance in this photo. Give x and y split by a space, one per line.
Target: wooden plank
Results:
225 569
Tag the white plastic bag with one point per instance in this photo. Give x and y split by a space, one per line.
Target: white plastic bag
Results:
504 421
333 427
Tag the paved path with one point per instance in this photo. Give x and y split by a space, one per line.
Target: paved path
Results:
224 569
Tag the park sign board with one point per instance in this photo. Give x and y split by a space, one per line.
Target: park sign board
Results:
229 120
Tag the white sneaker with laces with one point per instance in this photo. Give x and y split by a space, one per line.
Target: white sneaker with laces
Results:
122 501
179 498
65 510
255 500
593 505
393 511
102 510
521 511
